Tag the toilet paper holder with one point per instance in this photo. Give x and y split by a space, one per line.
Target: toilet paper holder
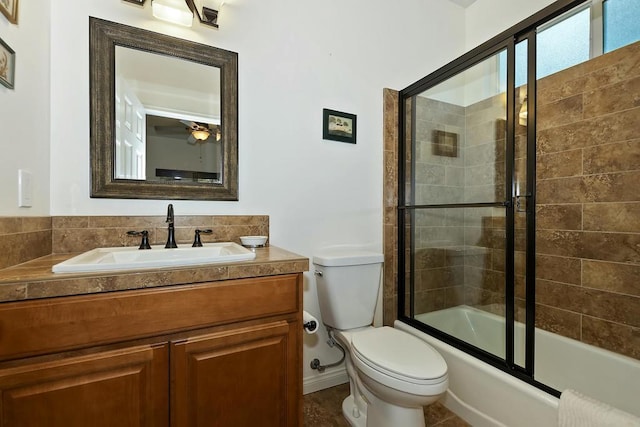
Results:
311 325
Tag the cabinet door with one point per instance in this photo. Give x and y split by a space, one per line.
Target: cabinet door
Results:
127 387
240 377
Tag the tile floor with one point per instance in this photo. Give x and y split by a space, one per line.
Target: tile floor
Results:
324 409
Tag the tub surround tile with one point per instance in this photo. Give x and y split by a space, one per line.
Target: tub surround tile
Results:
558 294
562 217
612 277
615 157
559 242
390 310
590 132
619 338
560 164
611 306
558 321
558 268
618 217
612 98
612 187
439 278
431 300
390 202
559 112
616 247
454 296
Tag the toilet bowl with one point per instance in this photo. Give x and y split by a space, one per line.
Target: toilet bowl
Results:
392 374
396 373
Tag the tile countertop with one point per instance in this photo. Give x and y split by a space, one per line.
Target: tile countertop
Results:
34 279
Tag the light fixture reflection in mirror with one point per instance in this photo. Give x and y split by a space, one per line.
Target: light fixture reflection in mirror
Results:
121 107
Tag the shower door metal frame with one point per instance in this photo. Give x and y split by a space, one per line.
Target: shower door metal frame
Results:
526 30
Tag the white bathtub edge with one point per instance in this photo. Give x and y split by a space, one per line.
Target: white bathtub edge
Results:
468 412
505 395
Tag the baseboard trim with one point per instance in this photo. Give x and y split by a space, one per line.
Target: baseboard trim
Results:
324 380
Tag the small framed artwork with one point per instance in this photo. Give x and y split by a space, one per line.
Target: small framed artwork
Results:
7 64
445 143
9 8
338 126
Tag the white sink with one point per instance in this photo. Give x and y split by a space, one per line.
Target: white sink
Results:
127 258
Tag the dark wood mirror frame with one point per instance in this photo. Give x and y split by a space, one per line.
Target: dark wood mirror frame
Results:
104 36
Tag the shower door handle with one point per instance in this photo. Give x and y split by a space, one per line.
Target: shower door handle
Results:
522 202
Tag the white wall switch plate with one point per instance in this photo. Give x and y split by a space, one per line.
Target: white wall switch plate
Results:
25 188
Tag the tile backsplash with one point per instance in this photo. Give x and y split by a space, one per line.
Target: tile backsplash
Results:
25 238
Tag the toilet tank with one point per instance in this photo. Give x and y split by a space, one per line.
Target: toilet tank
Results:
347 282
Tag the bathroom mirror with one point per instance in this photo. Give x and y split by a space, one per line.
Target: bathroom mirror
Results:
164 116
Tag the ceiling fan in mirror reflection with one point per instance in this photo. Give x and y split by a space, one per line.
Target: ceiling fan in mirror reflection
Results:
201 132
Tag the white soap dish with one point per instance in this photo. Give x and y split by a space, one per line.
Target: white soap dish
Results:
253 241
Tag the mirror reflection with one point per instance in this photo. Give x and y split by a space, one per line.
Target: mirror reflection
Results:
164 115
167 123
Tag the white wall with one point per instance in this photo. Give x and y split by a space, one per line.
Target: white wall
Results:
295 58
24 111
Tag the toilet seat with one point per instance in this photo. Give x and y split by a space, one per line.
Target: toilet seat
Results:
399 360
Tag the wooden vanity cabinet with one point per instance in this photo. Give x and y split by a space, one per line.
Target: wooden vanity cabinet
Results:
127 387
223 353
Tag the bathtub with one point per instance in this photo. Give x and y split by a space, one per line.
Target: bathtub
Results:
486 396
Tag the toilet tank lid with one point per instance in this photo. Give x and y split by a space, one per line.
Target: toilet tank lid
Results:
335 257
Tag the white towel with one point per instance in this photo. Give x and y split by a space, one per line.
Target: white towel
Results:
577 410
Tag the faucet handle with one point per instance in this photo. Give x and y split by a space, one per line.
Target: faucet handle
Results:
196 239
144 244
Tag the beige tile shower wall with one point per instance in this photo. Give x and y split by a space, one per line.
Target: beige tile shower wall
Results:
588 211
484 228
23 239
82 233
439 237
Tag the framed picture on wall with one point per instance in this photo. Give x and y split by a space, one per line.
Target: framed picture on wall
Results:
9 8
338 126
7 65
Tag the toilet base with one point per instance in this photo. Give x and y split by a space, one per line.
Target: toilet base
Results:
350 410
390 415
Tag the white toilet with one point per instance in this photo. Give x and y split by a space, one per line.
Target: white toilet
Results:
392 374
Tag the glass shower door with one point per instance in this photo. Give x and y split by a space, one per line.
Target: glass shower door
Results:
458 211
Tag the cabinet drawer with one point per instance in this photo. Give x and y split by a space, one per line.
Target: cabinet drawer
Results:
44 326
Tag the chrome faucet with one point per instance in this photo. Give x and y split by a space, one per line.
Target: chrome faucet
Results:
171 238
